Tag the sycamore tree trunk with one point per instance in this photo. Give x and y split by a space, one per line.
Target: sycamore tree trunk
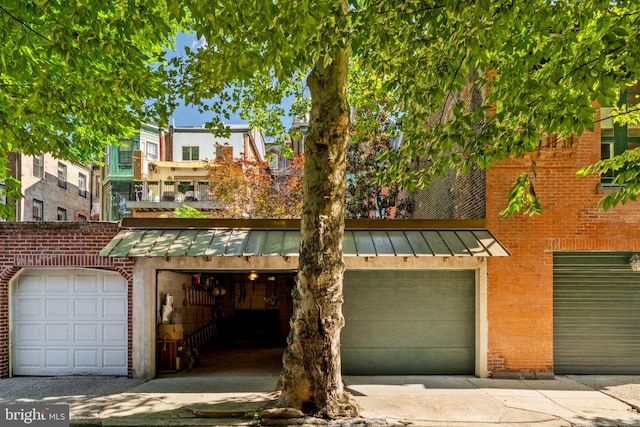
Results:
311 376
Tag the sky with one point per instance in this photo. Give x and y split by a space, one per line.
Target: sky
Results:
190 116
186 115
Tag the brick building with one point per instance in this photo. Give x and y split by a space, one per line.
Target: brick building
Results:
89 298
566 300
54 269
53 189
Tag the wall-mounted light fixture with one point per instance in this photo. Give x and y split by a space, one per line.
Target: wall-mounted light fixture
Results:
252 275
635 262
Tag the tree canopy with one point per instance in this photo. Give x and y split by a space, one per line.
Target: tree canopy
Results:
373 131
245 188
81 70
77 75
540 64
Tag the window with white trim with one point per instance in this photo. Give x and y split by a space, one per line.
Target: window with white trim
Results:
38 165
152 151
62 175
191 153
82 185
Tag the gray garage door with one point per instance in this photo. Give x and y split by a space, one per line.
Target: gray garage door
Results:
596 312
409 322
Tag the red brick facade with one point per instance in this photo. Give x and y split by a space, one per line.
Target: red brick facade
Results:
453 197
54 244
520 288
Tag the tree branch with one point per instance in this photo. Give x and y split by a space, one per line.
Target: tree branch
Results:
627 111
449 89
23 23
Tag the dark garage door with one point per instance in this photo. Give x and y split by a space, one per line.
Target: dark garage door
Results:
402 322
596 312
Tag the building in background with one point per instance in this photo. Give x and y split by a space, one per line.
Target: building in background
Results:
278 162
154 172
53 189
125 163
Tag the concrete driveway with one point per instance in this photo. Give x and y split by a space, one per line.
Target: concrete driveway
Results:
405 400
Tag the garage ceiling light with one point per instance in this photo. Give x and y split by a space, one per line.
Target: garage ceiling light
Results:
253 275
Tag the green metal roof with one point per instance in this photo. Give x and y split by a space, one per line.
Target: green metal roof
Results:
233 241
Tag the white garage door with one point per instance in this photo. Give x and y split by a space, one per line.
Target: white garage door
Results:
69 322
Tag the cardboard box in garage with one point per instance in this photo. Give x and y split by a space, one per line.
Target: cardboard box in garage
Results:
171 332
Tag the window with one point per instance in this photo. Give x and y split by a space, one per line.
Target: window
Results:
62 175
62 214
616 138
274 164
38 210
190 153
107 160
82 185
125 154
97 185
152 151
38 165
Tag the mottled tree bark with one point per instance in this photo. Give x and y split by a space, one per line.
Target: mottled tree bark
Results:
311 377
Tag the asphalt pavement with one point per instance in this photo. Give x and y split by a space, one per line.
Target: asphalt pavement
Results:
210 400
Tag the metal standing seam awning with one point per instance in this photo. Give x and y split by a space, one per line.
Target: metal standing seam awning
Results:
249 241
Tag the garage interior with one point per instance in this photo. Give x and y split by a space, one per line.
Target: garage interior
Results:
222 321
398 322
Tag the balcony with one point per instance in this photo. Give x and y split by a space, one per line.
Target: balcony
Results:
169 194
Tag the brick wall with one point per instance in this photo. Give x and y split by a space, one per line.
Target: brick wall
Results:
452 197
520 287
54 244
46 189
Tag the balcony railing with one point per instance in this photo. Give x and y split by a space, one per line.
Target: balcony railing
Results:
169 191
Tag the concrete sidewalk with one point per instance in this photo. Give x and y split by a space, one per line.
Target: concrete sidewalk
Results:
405 400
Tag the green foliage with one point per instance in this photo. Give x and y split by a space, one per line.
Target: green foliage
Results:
186 211
522 198
372 127
11 191
537 67
84 73
626 177
77 75
524 68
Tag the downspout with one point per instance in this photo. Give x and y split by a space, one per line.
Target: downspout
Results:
18 173
161 136
90 174
169 144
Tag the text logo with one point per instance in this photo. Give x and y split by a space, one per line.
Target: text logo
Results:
40 415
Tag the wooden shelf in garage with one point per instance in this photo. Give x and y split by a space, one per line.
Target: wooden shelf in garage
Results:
172 356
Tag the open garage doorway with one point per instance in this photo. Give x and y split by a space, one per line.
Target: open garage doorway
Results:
222 322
